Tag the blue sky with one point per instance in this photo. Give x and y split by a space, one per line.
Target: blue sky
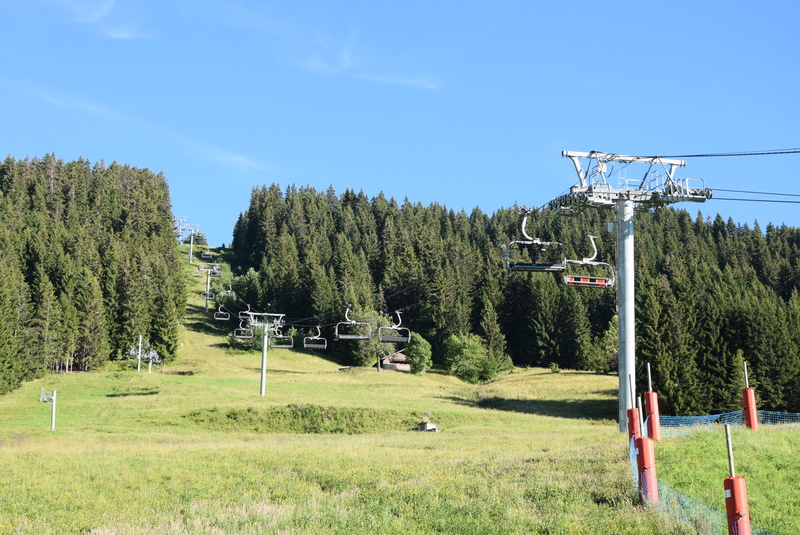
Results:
461 103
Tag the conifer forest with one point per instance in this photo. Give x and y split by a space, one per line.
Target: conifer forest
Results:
90 261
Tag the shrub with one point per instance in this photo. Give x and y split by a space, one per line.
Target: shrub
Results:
467 357
418 351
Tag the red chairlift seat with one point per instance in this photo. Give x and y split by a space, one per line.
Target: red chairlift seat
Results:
589 281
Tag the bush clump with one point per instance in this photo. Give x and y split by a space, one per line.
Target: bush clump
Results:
419 354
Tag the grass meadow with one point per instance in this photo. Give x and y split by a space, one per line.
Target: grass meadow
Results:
193 448
697 465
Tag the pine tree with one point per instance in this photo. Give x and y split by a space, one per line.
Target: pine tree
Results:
604 357
46 322
92 347
575 337
10 344
497 361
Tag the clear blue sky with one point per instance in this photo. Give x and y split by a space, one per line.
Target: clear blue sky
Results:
461 103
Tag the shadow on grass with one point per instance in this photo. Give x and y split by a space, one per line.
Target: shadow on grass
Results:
272 371
611 392
123 394
605 409
197 320
460 401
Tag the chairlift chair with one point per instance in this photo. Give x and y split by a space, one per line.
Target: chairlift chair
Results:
207 295
395 333
315 342
222 314
245 315
551 255
590 281
280 341
206 254
243 332
349 329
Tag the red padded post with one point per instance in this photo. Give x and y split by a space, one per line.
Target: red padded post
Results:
736 506
652 416
633 423
750 413
646 460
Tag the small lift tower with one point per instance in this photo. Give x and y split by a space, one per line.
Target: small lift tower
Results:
657 187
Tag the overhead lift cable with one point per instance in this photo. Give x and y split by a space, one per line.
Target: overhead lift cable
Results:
770 152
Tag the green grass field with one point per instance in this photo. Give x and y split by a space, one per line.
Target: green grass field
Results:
697 465
194 448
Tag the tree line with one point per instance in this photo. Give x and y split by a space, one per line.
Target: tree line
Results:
710 293
88 263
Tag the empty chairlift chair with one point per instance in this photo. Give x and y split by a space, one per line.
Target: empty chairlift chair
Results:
579 274
315 342
352 329
246 315
206 254
395 333
533 254
244 332
222 314
279 340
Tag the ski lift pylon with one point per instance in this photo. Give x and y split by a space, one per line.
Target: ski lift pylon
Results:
589 281
316 341
395 333
529 244
342 330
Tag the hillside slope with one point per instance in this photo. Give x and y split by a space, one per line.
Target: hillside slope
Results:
189 448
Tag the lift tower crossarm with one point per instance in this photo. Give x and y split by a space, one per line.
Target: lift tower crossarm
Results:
654 189
621 158
603 157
